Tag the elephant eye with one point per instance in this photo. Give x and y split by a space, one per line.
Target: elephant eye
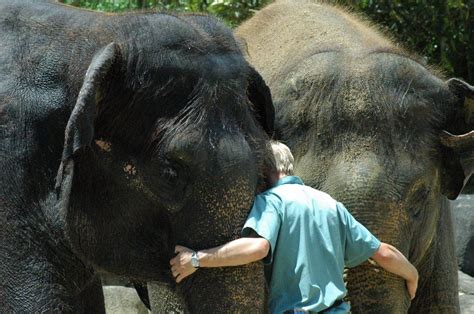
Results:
169 173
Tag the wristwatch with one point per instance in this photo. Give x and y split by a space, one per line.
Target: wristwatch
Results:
195 260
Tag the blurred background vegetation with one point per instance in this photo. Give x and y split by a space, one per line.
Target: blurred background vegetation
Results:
442 31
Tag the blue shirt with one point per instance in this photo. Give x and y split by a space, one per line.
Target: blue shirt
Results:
312 237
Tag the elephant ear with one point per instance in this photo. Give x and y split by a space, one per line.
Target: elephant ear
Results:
459 149
259 94
79 131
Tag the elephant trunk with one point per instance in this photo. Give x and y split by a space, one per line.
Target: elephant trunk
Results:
363 187
373 290
225 172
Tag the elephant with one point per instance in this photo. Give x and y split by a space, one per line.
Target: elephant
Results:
379 130
121 136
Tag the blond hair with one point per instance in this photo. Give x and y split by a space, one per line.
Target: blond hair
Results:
283 157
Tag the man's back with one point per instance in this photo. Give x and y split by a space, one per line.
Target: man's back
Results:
312 237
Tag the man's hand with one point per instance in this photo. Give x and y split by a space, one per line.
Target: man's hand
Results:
181 264
412 285
235 253
392 260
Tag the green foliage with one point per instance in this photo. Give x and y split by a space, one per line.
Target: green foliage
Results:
442 30
230 11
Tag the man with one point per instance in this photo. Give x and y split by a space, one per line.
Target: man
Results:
307 237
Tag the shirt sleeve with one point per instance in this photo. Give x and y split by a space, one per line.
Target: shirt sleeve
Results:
265 221
360 242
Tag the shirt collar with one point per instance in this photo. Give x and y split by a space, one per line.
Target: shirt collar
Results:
289 180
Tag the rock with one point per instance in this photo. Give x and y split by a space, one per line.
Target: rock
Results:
466 284
466 303
466 293
463 221
122 300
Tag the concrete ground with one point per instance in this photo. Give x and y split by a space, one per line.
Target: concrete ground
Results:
466 293
123 300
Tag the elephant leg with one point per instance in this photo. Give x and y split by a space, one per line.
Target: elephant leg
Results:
46 277
91 298
438 287
50 292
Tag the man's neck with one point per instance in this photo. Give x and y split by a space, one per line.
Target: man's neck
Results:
276 176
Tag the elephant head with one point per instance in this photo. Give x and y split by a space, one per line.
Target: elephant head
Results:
394 175
180 164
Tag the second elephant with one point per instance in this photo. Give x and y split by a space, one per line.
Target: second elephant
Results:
373 126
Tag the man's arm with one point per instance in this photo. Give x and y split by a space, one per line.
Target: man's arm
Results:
392 260
238 252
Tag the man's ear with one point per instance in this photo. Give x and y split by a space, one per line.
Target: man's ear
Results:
458 150
260 96
79 131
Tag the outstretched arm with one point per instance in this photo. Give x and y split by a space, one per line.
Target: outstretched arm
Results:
392 260
238 252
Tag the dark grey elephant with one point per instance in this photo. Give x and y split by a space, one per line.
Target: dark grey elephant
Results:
122 135
371 125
